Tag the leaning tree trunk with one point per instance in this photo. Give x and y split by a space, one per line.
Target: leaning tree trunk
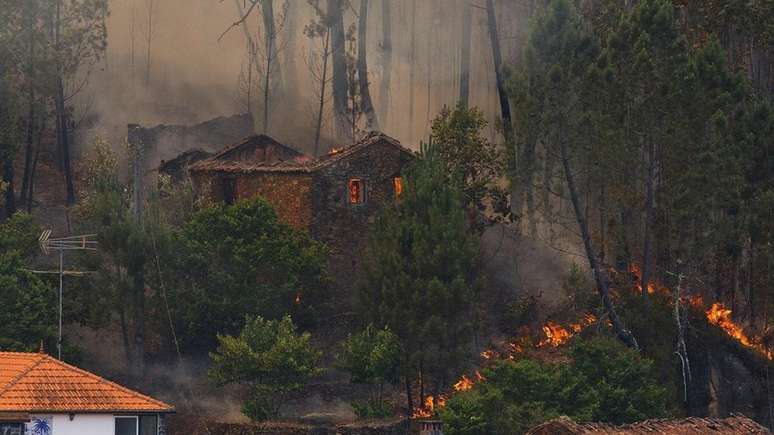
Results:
602 285
362 69
340 82
384 89
505 106
465 54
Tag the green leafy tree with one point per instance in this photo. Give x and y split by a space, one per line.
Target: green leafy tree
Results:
27 305
421 274
270 357
605 381
232 261
372 357
457 135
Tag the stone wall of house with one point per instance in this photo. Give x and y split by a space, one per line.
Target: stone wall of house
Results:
342 226
289 193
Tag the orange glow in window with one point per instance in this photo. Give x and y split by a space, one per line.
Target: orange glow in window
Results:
397 184
355 191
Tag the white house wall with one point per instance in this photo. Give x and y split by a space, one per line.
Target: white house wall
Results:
81 424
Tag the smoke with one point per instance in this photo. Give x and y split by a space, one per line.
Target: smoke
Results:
193 76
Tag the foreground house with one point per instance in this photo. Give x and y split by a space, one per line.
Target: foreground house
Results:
44 396
737 424
333 198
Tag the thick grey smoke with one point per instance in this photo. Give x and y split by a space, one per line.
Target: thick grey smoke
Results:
194 77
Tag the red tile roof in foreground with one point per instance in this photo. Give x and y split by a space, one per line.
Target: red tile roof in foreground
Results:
736 424
36 382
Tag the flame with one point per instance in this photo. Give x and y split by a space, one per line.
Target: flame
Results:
488 354
298 298
334 151
464 384
427 410
557 335
720 316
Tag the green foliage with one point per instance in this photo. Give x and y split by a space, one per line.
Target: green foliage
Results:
457 136
605 381
421 272
19 233
27 305
269 356
373 409
372 357
233 261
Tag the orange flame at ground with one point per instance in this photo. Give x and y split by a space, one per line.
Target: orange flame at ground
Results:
427 410
557 335
720 316
464 384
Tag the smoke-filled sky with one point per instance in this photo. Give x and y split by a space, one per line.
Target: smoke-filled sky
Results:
195 77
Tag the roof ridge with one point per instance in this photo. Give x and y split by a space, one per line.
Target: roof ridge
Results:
41 357
120 387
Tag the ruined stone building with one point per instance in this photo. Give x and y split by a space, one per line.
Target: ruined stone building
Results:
334 198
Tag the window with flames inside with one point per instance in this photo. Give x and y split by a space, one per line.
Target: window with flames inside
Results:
397 186
356 191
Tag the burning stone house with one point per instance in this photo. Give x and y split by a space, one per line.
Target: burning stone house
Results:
334 198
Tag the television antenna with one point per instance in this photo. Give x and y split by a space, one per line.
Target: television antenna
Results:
47 244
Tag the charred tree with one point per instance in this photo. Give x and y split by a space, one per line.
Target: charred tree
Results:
465 54
324 80
149 34
601 281
62 119
335 17
647 245
31 115
362 69
270 38
505 106
384 90
412 68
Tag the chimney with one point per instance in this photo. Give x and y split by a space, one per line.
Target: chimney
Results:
430 427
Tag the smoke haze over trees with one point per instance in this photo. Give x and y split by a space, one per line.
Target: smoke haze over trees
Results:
194 76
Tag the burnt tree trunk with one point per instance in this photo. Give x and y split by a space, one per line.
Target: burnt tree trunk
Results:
338 51
602 285
148 43
505 105
647 246
63 136
384 91
31 192
323 87
362 69
465 54
31 102
270 36
412 68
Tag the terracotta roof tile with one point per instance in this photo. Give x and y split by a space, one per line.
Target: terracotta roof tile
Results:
736 424
36 382
299 164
